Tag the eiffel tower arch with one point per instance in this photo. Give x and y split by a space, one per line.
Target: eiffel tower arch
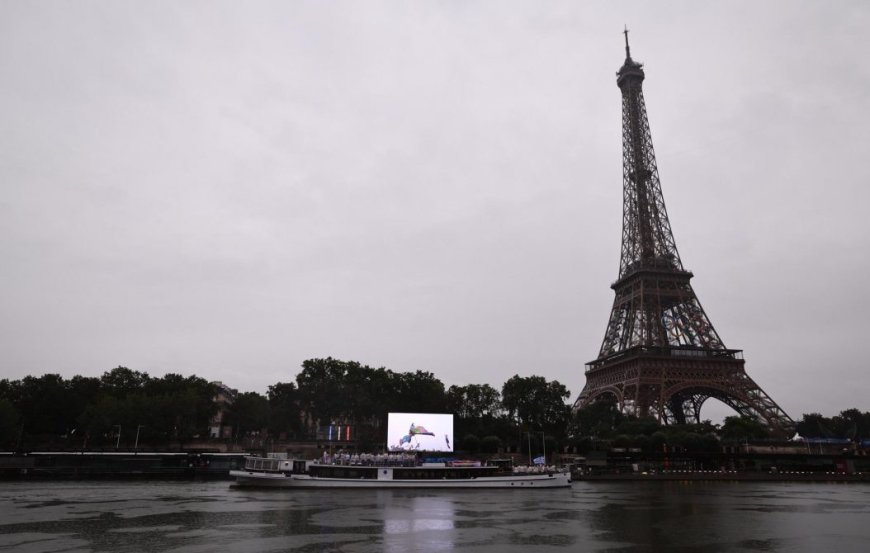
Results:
661 355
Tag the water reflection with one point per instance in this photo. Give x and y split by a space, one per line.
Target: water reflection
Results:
422 524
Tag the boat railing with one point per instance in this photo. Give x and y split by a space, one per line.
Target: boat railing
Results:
264 464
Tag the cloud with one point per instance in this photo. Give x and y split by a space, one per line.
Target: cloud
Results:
229 190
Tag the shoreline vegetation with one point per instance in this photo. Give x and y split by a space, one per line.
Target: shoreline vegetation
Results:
528 417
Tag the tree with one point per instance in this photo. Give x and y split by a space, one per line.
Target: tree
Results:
322 389
100 417
121 381
186 406
600 419
284 408
814 425
470 443
637 425
537 404
82 391
418 391
743 428
250 412
852 424
10 425
45 405
474 401
490 444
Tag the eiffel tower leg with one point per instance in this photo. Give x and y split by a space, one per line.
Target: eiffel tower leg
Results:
696 381
685 408
676 410
697 401
751 400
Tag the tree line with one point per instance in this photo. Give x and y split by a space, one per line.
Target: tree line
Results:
127 408
50 411
601 425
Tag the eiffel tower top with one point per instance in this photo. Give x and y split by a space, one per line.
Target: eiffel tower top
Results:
630 68
647 240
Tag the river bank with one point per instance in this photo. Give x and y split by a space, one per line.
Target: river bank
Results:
724 476
84 465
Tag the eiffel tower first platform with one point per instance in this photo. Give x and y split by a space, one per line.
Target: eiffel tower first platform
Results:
661 355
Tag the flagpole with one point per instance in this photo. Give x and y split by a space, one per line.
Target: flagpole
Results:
529 436
544 443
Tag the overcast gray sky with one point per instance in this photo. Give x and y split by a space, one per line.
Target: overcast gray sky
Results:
229 188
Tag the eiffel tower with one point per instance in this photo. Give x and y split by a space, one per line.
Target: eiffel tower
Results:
661 355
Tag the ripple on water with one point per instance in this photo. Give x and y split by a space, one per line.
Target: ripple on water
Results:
40 542
143 529
185 517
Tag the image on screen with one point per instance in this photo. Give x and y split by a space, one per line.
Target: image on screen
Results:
419 432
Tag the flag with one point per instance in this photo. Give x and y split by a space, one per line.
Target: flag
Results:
539 460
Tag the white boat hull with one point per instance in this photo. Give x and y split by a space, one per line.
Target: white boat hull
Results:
281 480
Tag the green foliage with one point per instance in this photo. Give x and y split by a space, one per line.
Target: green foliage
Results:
645 426
419 391
851 423
44 404
474 401
344 391
88 412
490 444
476 409
470 443
741 428
250 412
657 442
10 425
171 410
601 419
284 408
536 404
331 390
121 382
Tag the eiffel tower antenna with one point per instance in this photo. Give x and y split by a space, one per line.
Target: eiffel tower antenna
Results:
661 355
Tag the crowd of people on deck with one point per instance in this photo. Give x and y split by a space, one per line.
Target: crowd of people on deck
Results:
369 459
402 460
535 469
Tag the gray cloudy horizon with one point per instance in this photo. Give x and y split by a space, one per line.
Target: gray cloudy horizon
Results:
227 189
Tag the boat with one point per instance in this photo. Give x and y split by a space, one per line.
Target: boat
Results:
394 471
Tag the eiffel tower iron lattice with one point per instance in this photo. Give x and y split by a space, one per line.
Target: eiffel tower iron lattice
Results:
661 355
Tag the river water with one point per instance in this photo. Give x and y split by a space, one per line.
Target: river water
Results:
199 517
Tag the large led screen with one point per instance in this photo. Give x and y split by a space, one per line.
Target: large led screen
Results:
419 432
